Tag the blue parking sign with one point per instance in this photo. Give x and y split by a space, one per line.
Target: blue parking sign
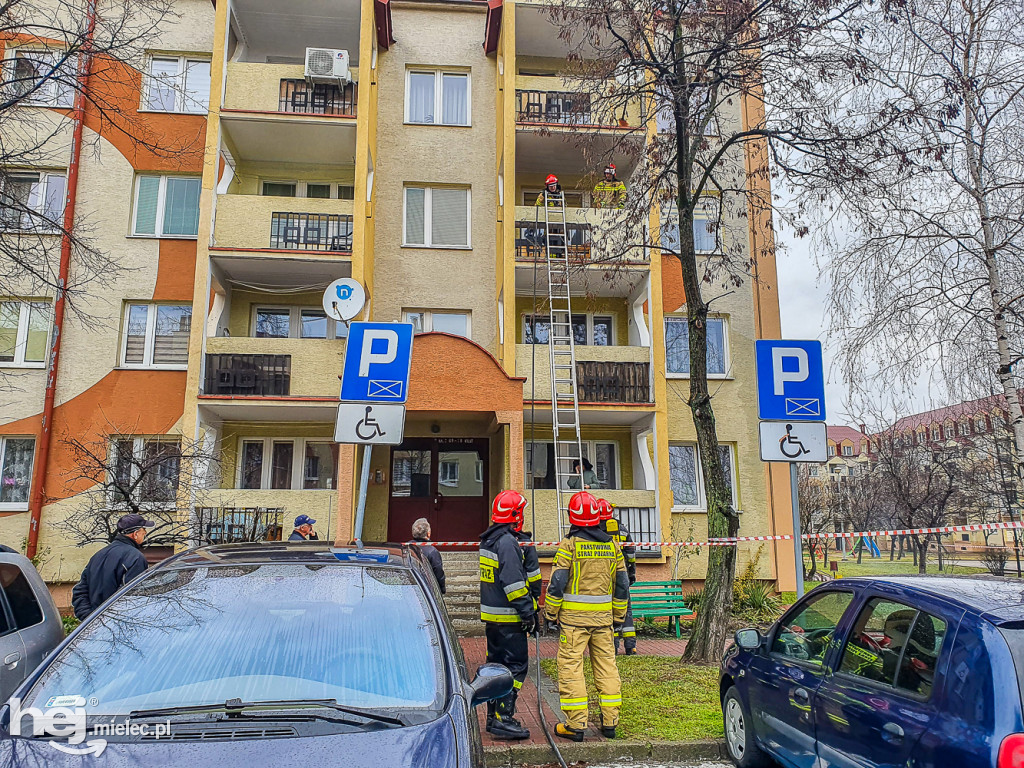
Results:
378 358
790 380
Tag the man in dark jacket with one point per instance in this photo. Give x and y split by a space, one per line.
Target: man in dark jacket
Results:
304 529
531 562
507 608
421 532
113 566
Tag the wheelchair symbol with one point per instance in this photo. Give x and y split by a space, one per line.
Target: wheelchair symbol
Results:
790 442
371 424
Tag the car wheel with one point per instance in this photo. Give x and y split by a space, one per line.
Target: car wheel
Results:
739 734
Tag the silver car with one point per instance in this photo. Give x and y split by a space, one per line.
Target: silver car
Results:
30 625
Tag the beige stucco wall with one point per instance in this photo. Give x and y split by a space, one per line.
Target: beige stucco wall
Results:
257 86
243 221
436 278
316 363
249 175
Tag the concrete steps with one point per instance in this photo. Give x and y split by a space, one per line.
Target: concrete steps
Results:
462 599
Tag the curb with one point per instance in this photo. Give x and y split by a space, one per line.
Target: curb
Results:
540 754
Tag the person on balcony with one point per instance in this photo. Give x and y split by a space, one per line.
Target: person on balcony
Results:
609 192
589 476
554 192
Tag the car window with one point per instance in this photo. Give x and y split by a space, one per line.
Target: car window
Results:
24 606
896 645
363 636
805 635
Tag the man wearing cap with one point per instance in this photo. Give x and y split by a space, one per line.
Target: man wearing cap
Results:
113 566
304 529
609 192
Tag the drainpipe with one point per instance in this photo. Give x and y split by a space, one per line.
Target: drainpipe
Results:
46 432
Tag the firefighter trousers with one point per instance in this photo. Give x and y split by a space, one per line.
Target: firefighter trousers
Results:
508 644
572 688
627 632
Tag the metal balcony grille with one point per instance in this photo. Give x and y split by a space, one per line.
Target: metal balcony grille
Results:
311 232
603 382
317 98
258 375
228 525
643 524
559 107
530 241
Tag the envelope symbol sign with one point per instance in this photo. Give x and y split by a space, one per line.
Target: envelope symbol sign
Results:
383 388
803 406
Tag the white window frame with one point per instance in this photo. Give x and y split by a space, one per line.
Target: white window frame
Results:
428 215
17 506
46 96
439 73
302 189
298 462
161 202
428 318
589 451
702 501
179 83
44 183
448 482
21 340
147 355
726 352
335 329
526 316
847 450
980 425
701 213
138 446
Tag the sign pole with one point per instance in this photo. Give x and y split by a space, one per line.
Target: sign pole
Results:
364 482
798 552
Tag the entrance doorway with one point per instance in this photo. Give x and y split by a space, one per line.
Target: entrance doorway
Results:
441 479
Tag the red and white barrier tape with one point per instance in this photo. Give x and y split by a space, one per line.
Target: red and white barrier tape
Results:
780 537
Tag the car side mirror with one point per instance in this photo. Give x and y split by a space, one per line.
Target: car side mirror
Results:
749 639
492 681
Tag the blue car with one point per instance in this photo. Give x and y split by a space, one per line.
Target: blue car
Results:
902 671
276 654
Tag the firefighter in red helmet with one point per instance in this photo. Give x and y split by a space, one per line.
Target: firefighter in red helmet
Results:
507 608
553 192
587 595
620 535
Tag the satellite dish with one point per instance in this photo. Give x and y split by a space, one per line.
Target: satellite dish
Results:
628 74
344 299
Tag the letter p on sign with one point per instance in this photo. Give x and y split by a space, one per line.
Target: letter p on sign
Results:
780 376
368 357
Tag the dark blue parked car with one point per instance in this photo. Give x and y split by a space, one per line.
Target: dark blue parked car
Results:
902 671
271 654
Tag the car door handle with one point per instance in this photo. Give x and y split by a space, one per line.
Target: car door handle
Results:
892 732
12 658
801 696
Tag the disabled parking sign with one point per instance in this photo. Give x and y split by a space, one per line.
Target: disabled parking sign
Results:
790 380
378 359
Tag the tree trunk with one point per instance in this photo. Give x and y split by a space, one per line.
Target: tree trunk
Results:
860 551
938 542
922 554
892 547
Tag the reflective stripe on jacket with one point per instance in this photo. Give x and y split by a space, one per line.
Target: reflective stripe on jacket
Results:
589 584
620 535
504 594
609 194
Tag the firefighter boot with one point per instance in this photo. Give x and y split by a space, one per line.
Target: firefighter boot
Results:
504 725
565 732
608 731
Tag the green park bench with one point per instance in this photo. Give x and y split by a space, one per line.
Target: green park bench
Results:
654 599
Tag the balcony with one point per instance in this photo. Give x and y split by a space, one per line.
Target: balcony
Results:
557 101
618 375
256 222
259 87
595 235
645 502
233 513
313 365
248 375
300 97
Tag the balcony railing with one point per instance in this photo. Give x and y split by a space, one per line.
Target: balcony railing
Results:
259 375
557 107
643 524
607 382
317 98
311 231
228 525
530 241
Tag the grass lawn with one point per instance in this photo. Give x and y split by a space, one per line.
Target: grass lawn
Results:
662 698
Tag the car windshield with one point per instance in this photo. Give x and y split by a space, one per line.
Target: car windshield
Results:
362 636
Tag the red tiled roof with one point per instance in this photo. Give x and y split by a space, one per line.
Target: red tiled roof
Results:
956 413
838 434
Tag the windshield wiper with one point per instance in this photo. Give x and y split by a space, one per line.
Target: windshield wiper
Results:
237 706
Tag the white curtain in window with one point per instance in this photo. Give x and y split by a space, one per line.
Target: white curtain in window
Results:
449 217
415 200
39 322
455 99
421 97
197 86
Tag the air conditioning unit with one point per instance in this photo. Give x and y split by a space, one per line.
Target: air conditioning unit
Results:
327 65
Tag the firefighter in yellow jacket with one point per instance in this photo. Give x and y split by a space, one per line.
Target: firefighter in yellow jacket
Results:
609 192
587 596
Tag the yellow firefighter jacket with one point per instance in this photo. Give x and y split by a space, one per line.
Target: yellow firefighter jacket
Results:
609 194
589 585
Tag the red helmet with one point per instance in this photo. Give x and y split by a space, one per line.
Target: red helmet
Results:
551 179
604 509
508 507
583 510
610 168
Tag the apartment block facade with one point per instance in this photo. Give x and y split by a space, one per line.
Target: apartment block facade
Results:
416 175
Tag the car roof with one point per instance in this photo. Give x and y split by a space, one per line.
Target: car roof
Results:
298 552
997 599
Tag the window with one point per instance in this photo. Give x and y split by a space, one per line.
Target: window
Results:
145 470
806 634
449 473
603 456
705 227
45 78
847 450
24 333
813 470
156 335
643 524
166 206
32 201
325 190
699 104
24 606
178 84
895 645
427 320
677 346
437 217
685 476
979 425
434 97
295 323
596 330
16 455
936 433
270 463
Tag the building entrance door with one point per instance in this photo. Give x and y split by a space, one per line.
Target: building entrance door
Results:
441 479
